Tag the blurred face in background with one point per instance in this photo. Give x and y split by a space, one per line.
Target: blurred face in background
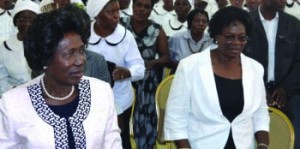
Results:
200 4
124 4
5 4
237 3
109 16
142 10
252 4
199 24
182 8
168 3
23 22
222 3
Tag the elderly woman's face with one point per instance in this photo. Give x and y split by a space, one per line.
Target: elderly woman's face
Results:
232 40
142 10
182 8
199 24
24 20
109 15
66 66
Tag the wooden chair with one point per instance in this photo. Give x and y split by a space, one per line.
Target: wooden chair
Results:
161 97
281 133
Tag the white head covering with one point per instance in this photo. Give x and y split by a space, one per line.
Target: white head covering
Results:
22 5
94 7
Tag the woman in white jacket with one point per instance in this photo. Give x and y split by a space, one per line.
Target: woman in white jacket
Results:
217 99
61 108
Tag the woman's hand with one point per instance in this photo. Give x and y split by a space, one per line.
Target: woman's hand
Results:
120 73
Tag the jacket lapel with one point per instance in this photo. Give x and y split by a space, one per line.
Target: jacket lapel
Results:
207 76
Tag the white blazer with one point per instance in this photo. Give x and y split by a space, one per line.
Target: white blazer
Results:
193 111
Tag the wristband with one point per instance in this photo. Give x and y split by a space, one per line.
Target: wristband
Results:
263 144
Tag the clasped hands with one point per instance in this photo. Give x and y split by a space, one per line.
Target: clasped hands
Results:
278 98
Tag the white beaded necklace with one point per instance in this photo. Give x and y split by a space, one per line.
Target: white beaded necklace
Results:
53 97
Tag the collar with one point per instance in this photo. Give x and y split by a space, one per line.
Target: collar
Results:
175 24
159 10
113 39
14 44
127 11
2 11
263 19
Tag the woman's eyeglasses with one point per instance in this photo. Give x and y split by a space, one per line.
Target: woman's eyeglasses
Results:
231 38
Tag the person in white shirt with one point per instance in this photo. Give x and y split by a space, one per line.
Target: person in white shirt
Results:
14 69
118 46
7 28
217 99
179 22
191 41
163 10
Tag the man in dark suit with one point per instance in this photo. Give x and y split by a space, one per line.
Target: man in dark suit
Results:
275 43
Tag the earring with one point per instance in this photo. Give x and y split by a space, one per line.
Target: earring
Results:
216 42
44 67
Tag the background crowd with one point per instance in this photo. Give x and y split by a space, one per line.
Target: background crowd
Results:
222 52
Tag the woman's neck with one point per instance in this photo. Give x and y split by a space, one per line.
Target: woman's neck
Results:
138 25
227 62
102 31
168 8
181 19
196 36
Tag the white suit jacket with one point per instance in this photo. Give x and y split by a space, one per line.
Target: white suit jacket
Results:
26 122
193 111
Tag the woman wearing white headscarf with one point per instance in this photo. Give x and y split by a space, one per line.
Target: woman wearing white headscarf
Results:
118 46
14 69
178 23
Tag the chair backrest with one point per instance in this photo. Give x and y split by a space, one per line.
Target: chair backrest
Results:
161 96
281 133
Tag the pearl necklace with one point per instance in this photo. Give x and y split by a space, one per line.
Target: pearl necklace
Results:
53 97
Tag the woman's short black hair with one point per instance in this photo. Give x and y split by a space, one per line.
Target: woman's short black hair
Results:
192 14
225 16
48 29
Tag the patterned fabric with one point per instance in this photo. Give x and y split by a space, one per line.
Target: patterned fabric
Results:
60 124
145 117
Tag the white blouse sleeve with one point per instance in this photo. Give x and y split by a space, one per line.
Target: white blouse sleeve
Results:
134 60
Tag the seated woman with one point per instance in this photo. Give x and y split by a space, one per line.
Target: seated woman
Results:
118 46
152 41
61 108
14 69
217 98
191 41
174 24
